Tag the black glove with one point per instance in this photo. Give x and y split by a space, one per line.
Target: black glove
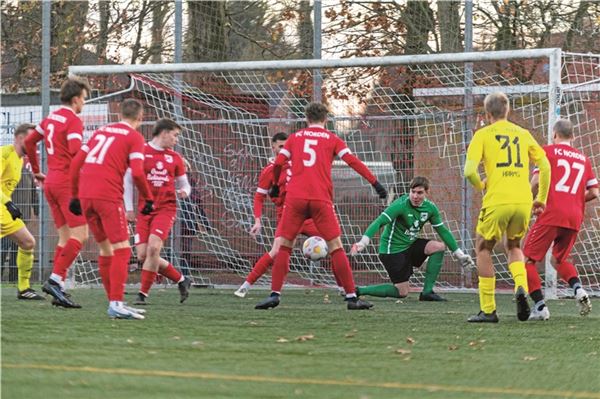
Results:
148 207
274 191
381 191
75 206
14 211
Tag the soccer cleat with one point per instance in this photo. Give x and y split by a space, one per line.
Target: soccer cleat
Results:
354 303
482 317
184 289
29 294
585 305
141 299
523 310
431 297
54 289
271 302
121 312
241 292
543 314
136 310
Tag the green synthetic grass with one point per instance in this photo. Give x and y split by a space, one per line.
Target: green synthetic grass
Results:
217 346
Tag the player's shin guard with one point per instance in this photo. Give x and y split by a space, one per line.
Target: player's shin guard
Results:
171 273
260 268
341 267
57 250
434 265
567 271
381 290
487 289
519 275
104 263
147 279
281 267
67 256
118 273
24 266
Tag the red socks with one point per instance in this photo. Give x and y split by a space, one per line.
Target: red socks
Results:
566 271
341 269
169 272
57 250
147 279
260 268
281 267
534 282
104 270
118 273
66 257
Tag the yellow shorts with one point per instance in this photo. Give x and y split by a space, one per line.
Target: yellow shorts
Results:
7 224
509 219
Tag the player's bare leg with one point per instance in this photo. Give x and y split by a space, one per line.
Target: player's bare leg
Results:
260 268
487 282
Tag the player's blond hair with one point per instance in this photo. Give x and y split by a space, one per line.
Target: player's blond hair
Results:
564 128
24 128
496 104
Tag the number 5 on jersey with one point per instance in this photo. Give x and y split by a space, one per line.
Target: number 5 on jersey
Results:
308 144
99 151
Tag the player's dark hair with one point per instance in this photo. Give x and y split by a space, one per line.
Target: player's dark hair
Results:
316 112
164 124
564 128
131 108
24 129
73 87
420 181
280 136
496 104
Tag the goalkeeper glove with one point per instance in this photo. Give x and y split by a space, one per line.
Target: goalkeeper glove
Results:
75 206
381 191
14 211
148 207
465 260
274 191
359 246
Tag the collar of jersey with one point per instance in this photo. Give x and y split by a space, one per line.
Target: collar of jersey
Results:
157 148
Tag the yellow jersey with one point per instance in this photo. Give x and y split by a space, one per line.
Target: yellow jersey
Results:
506 150
11 165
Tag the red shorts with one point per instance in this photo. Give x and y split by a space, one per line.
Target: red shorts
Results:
296 211
106 219
308 228
58 197
540 238
158 223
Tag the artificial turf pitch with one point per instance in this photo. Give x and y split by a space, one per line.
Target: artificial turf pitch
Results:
217 346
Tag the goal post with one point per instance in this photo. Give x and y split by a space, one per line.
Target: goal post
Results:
403 115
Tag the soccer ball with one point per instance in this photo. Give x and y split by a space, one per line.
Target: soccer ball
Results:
315 248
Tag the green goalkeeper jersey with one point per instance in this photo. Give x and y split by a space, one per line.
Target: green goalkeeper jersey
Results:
403 222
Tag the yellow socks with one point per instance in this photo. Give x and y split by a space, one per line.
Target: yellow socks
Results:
519 274
24 265
487 289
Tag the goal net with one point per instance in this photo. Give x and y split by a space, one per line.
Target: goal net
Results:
403 116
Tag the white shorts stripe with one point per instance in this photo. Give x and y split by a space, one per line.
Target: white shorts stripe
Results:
136 155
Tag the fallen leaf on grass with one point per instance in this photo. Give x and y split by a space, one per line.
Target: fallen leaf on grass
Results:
452 347
326 299
129 341
303 338
402 351
529 358
176 337
351 334
197 343
410 340
282 340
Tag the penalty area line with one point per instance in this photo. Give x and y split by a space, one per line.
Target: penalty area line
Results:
308 381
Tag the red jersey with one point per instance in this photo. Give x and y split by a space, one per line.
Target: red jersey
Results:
162 167
62 131
109 151
571 176
265 181
311 152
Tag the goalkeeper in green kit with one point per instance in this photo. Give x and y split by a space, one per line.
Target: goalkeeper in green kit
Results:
401 249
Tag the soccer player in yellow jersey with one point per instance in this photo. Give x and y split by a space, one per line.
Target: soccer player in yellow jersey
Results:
11 224
505 149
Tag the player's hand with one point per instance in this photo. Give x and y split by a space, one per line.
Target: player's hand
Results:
274 191
14 211
255 230
465 259
148 207
75 206
181 194
360 246
381 191
39 177
538 207
130 215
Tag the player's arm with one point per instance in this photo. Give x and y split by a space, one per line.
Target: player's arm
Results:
34 137
591 185
448 239
128 195
265 182
538 156
344 153
592 194
474 156
535 182
387 216
76 164
183 189
285 154
14 211
75 136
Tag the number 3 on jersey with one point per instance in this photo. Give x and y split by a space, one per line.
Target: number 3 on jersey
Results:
101 147
308 144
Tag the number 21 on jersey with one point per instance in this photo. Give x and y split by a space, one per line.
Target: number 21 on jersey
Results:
98 152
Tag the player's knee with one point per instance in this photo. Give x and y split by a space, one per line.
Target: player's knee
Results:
435 246
153 251
27 243
141 256
513 244
402 289
486 245
334 244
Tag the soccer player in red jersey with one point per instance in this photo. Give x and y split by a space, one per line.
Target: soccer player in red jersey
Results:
62 132
573 184
101 166
309 194
166 174
265 182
